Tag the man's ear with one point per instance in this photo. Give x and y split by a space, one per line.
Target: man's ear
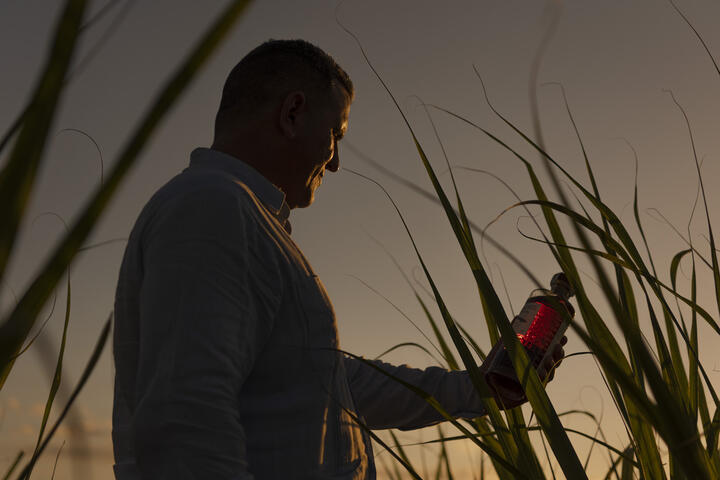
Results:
294 104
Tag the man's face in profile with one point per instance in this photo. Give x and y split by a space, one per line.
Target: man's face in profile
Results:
315 149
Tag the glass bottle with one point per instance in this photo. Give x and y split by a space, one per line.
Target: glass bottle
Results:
539 327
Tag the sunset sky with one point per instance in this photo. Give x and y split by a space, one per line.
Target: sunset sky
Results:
613 57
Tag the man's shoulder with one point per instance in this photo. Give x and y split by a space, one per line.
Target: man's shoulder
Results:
198 197
209 188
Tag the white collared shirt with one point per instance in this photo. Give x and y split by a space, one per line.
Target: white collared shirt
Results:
225 346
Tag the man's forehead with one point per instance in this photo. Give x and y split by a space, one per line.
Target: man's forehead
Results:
342 103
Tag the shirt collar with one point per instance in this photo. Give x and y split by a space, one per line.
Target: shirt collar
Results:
272 197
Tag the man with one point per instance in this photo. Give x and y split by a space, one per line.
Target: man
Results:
225 341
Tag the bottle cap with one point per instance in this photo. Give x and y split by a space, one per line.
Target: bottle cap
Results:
560 285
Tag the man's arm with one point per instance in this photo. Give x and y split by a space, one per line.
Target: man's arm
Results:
386 403
206 309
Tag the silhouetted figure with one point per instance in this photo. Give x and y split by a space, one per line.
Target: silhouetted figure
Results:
224 335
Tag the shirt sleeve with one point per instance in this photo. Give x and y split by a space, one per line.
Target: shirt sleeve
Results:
207 305
385 403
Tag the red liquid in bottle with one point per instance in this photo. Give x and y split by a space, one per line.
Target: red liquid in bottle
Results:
539 327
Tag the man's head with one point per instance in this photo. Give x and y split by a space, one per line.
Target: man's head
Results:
283 109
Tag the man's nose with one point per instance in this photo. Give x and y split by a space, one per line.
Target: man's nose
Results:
334 164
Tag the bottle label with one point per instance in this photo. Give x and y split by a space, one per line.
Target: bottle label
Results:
524 319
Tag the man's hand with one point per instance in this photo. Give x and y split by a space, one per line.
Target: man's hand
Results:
546 372
553 361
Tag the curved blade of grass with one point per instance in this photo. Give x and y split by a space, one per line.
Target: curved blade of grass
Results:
89 367
19 172
408 344
57 457
613 468
713 251
16 327
13 465
445 352
627 470
465 237
433 198
682 237
56 379
547 36
484 430
446 457
401 452
697 34
712 432
369 287
478 351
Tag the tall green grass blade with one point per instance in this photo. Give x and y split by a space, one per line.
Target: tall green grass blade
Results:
711 433
89 367
478 351
13 465
445 456
56 378
10 134
697 34
19 172
57 457
627 470
484 430
399 448
693 373
713 251
446 352
16 327
613 467
438 467
464 234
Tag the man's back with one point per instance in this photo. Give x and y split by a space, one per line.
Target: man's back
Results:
223 340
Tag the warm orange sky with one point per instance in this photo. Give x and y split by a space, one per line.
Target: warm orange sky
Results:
613 57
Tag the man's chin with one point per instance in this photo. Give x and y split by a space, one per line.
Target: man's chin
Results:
303 202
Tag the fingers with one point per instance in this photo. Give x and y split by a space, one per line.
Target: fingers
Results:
553 361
